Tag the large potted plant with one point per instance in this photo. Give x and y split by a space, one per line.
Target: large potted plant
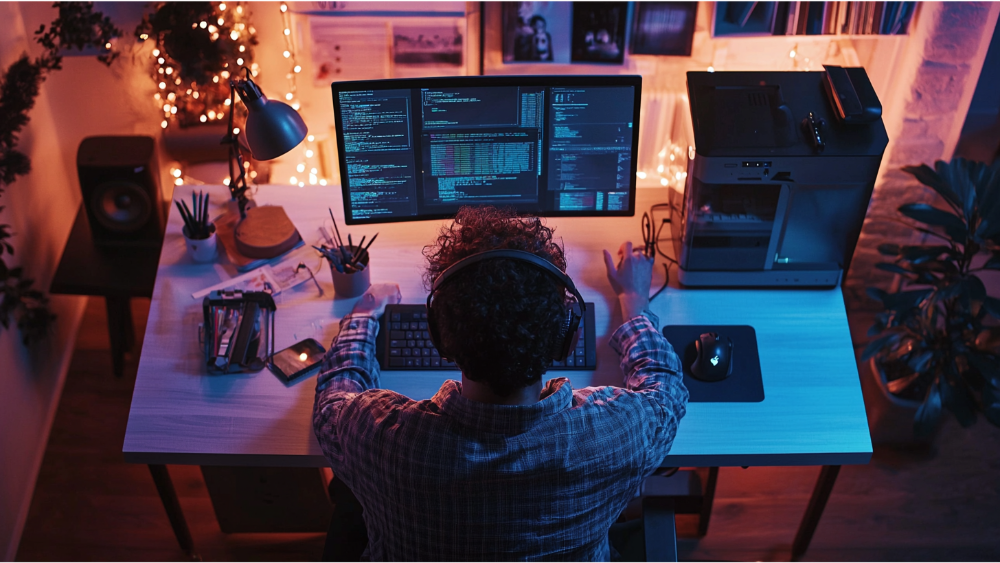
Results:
937 343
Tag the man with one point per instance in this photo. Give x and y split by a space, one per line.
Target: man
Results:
499 466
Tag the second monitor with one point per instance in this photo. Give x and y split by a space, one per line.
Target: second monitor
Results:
548 145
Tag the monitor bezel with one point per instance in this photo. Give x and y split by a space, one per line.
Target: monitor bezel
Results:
478 81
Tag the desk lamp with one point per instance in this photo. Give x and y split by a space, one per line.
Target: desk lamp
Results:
272 129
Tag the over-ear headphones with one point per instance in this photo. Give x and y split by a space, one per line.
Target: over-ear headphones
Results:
568 327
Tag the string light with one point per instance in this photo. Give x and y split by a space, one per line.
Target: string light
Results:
291 96
203 103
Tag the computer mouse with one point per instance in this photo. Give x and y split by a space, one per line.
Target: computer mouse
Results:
714 358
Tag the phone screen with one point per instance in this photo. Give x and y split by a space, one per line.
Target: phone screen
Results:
297 359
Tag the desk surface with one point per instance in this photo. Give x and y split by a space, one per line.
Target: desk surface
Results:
812 413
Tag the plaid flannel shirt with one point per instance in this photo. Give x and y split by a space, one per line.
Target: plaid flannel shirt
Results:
454 479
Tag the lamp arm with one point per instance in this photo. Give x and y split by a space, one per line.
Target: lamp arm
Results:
237 182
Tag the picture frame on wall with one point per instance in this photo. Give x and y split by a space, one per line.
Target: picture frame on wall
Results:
536 32
599 32
663 28
734 19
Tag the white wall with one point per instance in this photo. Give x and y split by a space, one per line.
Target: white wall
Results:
84 98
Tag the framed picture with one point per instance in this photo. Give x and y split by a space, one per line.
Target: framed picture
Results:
746 18
663 28
599 32
536 32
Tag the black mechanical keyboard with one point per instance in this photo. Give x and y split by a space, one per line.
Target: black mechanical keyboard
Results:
404 342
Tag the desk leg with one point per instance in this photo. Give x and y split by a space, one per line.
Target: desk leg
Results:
821 493
708 499
168 496
120 331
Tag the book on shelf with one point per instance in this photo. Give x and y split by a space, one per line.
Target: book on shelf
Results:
812 18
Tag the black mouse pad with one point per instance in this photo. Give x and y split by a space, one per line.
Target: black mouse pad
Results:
743 386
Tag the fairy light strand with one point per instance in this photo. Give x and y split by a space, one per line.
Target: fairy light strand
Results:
306 172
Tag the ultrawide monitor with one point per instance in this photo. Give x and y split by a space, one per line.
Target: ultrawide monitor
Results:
419 149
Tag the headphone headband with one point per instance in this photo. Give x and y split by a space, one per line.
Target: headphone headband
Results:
519 255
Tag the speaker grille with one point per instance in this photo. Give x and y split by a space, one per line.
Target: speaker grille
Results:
122 207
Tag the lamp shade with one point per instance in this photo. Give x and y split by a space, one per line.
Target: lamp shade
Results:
273 128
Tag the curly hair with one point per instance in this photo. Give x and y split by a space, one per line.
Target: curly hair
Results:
499 318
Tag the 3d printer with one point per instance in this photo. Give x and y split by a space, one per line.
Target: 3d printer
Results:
780 179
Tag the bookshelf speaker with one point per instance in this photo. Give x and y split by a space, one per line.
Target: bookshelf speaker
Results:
119 179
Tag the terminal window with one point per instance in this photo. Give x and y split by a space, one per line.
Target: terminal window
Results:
414 152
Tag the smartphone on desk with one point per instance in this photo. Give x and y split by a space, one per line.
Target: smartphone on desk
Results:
297 360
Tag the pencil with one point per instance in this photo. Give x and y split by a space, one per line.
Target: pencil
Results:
364 251
340 241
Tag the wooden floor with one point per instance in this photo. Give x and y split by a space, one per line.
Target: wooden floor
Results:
942 505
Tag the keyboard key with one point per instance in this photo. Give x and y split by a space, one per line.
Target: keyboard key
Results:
410 362
427 335
434 352
406 351
397 335
581 362
394 326
404 326
394 352
423 325
397 362
397 343
395 316
426 352
411 343
409 335
436 362
425 362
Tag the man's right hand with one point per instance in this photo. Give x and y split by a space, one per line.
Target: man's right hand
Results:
630 279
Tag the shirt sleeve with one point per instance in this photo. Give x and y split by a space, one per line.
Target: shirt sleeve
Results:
652 369
348 369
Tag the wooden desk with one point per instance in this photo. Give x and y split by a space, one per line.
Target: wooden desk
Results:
813 412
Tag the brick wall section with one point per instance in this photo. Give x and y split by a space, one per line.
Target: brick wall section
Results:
941 79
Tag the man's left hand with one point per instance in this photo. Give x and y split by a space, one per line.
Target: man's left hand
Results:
373 302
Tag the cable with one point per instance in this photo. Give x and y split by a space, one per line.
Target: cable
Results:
656 244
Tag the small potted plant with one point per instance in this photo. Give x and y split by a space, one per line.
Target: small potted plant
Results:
936 345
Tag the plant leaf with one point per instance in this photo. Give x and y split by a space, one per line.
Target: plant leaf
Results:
928 177
885 341
958 401
897 386
918 254
961 176
894 268
888 249
994 262
953 224
929 414
919 362
876 293
905 300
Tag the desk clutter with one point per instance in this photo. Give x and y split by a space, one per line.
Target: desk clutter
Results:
238 331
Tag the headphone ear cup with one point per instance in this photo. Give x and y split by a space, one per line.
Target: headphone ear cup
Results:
569 334
433 332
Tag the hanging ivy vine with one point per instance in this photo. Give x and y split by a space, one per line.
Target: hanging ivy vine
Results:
78 26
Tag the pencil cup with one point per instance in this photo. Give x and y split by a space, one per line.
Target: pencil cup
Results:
351 284
201 249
